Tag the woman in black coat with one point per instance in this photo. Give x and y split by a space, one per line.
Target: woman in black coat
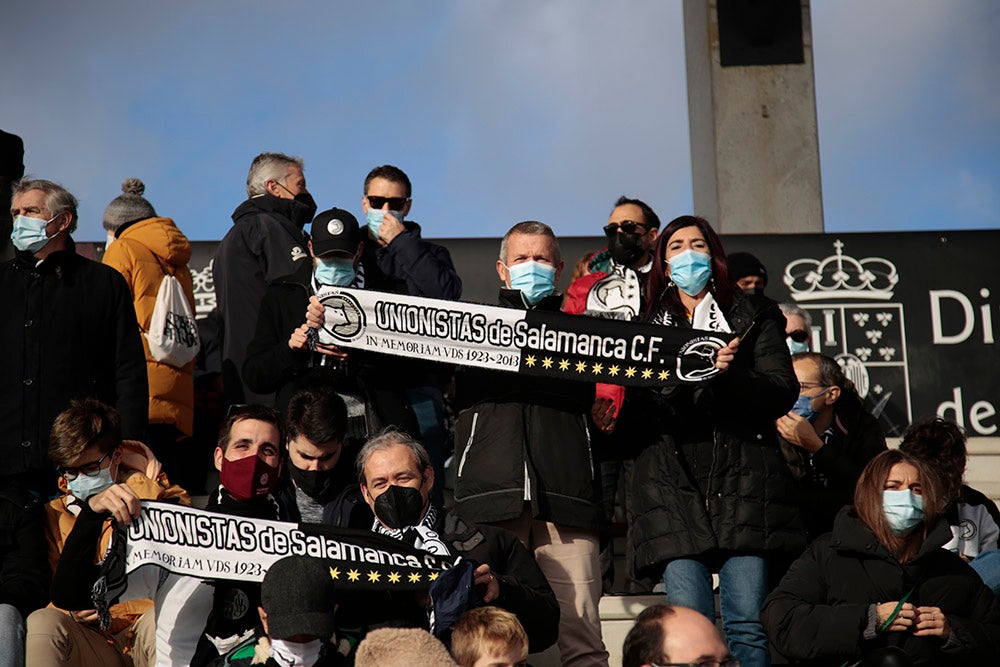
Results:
712 492
881 582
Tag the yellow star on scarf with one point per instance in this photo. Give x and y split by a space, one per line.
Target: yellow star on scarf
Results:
563 364
647 373
613 371
598 368
581 366
663 375
353 575
529 360
394 577
432 576
373 576
334 573
547 362
414 577
630 372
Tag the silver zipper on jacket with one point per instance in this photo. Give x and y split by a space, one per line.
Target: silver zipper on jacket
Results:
468 445
711 468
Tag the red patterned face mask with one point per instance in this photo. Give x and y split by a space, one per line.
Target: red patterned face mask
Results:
248 478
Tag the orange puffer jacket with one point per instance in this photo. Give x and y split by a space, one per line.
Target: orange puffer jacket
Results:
141 253
61 513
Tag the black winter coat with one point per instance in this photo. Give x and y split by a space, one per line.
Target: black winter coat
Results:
263 245
820 610
714 480
273 367
511 426
414 266
68 330
411 265
24 566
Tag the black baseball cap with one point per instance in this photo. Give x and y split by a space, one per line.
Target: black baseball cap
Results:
298 596
335 230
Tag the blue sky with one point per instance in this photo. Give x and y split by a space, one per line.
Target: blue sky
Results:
498 110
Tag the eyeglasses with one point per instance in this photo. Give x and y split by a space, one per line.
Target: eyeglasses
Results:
627 226
730 662
88 469
395 203
811 385
799 335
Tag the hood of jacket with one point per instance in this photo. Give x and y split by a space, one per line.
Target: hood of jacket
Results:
162 237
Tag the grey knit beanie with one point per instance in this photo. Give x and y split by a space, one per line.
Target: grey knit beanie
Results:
129 206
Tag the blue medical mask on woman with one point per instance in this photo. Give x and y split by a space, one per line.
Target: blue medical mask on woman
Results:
534 279
29 234
690 271
84 486
904 510
337 271
374 218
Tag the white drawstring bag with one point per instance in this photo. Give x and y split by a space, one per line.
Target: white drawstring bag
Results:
173 332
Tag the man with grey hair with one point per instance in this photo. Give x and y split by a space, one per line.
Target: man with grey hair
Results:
69 331
266 242
798 328
526 462
396 477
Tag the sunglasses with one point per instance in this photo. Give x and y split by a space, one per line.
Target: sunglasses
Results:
799 336
626 226
395 203
88 469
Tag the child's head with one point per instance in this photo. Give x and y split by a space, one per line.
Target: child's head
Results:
488 637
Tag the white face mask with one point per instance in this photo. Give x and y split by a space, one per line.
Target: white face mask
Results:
294 654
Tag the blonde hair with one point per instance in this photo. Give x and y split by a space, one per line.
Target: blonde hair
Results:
486 631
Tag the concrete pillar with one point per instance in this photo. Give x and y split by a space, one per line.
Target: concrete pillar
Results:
754 145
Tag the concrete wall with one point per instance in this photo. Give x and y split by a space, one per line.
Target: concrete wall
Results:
754 142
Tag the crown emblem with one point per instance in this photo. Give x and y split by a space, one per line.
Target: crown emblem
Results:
841 276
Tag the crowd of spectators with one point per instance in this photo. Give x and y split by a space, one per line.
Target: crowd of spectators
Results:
731 478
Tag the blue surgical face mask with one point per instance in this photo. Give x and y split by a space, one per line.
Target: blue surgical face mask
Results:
29 235
690 271
534 279
374 218
337 271
85 486
804 407
796 347
903 509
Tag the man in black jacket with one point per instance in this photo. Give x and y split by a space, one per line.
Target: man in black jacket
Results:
827 438
526 463
396 478
68 331
265 243
396 259
320 459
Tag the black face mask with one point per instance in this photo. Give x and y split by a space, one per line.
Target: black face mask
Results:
303 209
399 507
314 483
626 248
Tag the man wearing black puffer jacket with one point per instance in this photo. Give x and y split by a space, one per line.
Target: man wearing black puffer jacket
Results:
265 243
524 457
